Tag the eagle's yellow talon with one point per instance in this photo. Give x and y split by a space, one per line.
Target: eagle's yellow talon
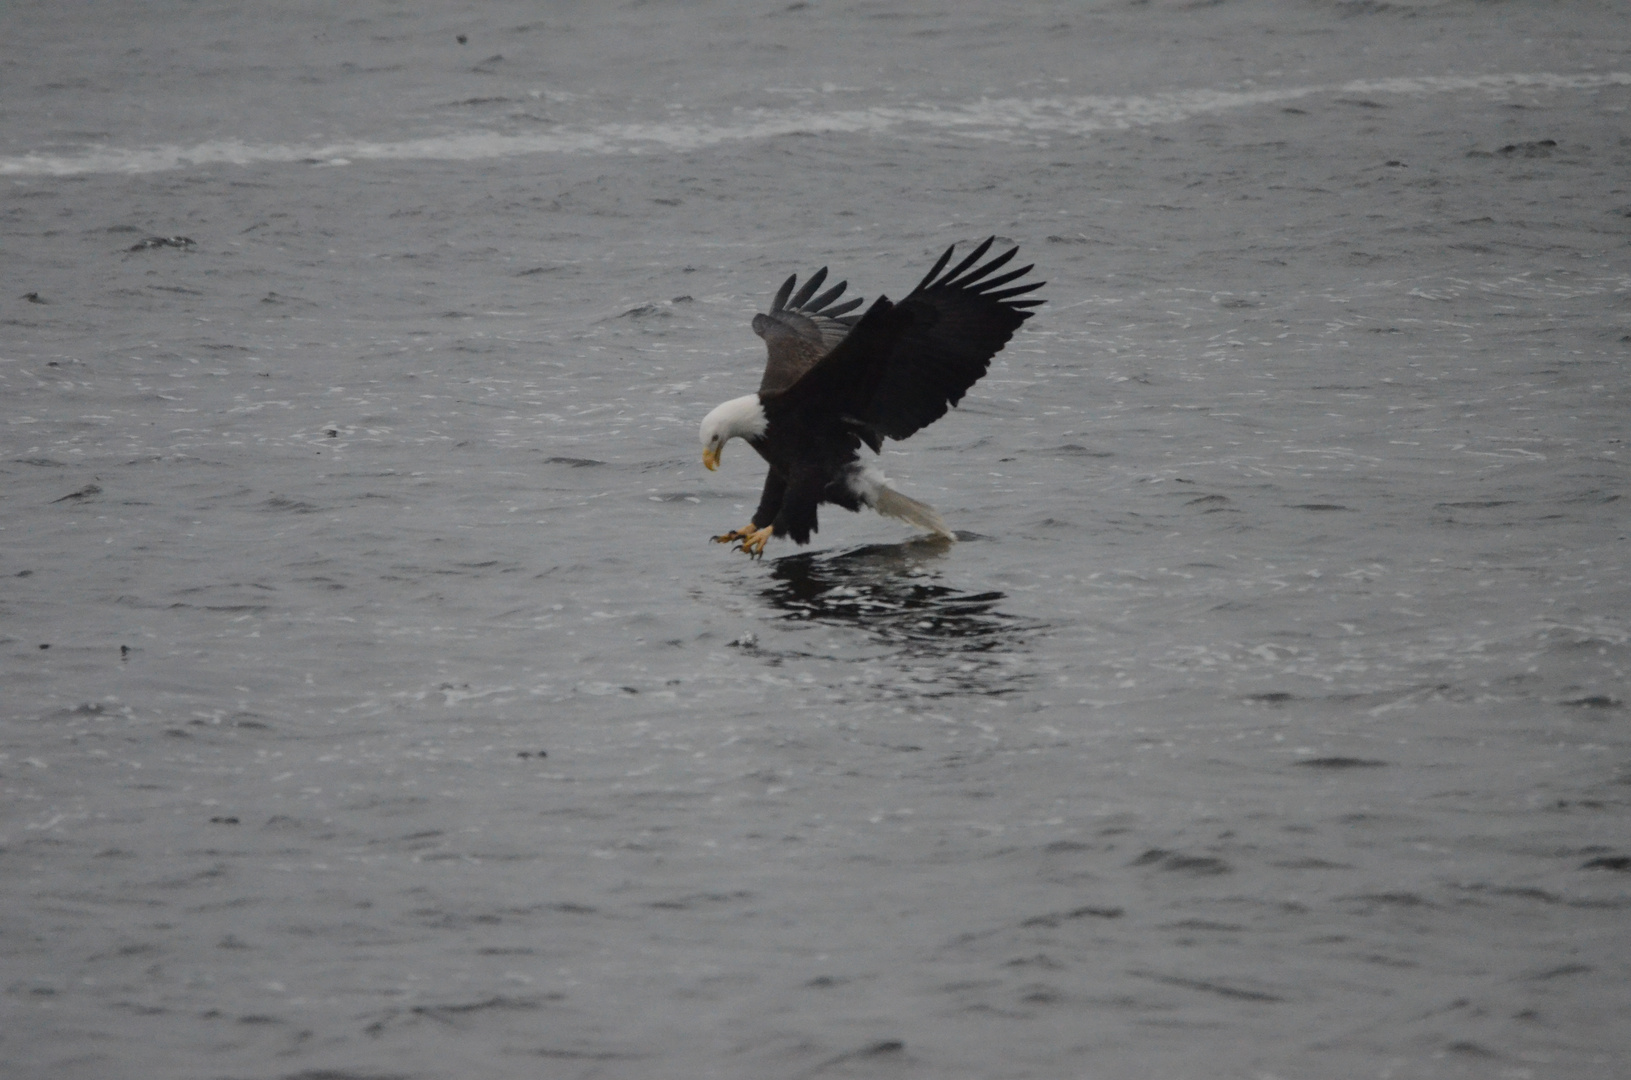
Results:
734 535
754 543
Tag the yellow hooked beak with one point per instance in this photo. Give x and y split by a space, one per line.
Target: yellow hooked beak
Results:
710 457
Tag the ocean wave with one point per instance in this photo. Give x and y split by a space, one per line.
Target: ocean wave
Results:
985 118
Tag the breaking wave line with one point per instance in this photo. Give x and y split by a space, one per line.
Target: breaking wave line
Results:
1006 118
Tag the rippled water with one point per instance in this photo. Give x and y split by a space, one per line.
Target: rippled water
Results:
375 704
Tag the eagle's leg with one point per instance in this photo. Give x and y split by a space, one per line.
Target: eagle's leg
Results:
754 543
735 534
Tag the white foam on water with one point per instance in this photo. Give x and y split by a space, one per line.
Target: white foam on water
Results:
987 118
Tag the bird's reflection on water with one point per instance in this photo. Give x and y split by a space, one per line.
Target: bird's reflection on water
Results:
892 593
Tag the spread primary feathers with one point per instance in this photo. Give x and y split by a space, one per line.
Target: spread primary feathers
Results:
835 380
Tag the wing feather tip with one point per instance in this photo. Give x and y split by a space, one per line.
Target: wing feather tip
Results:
779 303
819 305
1017 290
945 257
967 280
802 297
968 260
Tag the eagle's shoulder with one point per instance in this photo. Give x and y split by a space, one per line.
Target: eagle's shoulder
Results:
801 328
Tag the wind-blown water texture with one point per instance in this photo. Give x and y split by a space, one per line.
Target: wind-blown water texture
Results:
1004 119
373 703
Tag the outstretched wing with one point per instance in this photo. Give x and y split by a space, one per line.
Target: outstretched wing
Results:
799 331
903 365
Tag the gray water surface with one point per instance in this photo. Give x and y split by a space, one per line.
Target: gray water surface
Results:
374 704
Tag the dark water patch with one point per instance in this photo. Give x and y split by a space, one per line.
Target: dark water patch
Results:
1594 701
1320 506
1541 148
559 1054
1468 1048
283 503
1073 450
86 492
1311 863
1595 496
416 572
1559 972
153 243
886 1049
1560 635
1057 918
696 900
886 591
341 1074
574 462
827 982
499 1003
1211 986
975 444
230 609
1619 863
345 933
209 875
321 582
1056 847
196 589
287 823
1389 899
1041 994
87 709
1177 861
566 907
1342 763
344 1074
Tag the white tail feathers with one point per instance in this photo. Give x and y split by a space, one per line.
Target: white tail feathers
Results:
871 486
888 501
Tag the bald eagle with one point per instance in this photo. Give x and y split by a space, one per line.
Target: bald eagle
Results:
836 380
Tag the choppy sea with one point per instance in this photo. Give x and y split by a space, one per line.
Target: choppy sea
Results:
373 704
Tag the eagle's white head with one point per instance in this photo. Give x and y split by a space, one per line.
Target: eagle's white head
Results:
742 417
